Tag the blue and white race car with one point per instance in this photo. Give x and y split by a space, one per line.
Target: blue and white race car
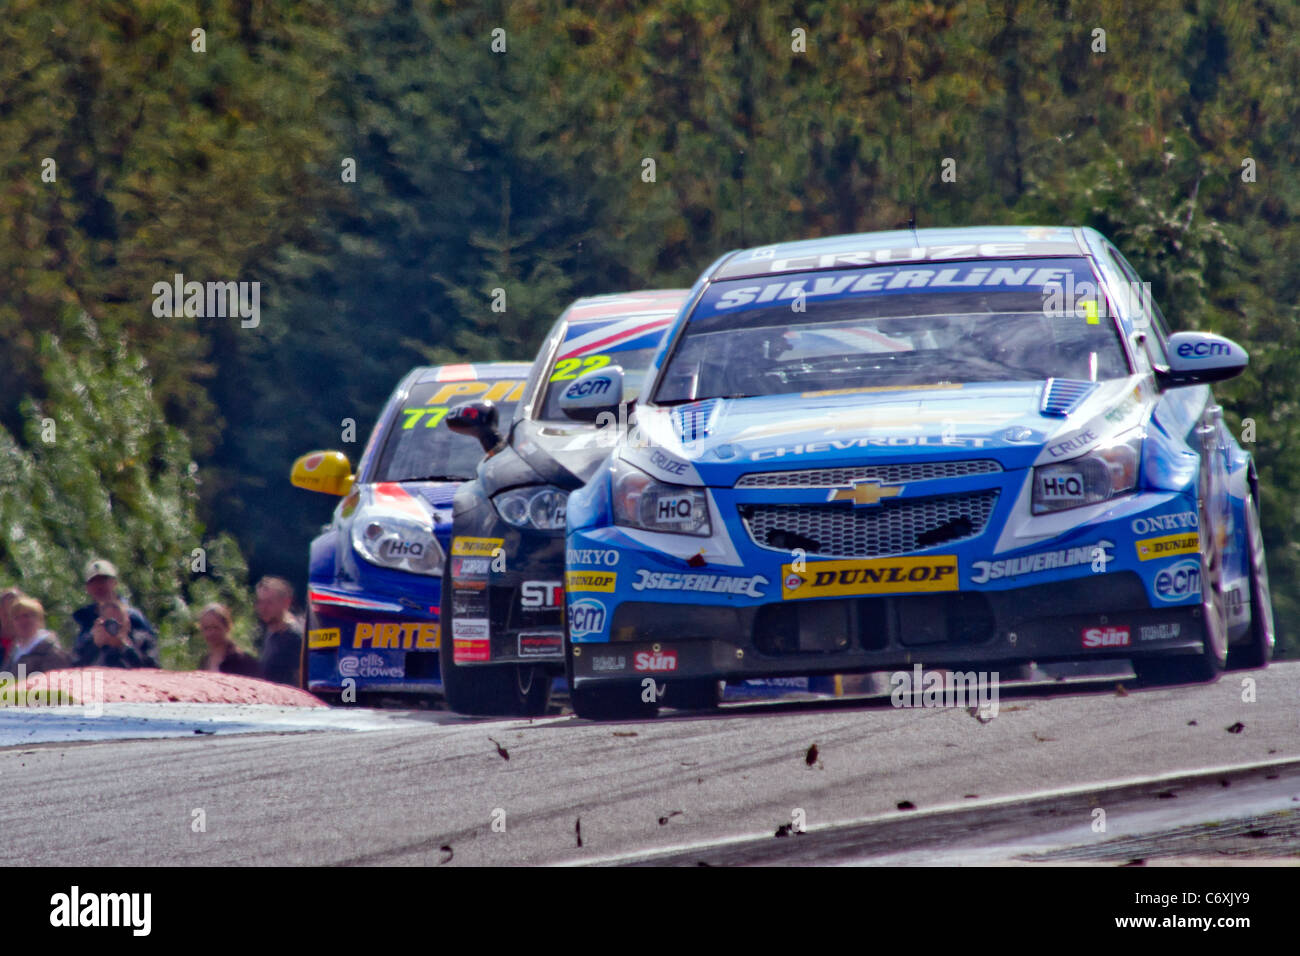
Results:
957 447
376 571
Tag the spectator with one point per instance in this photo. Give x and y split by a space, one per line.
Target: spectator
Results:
7 598
281 633
224 654
115 641
101 585
34 647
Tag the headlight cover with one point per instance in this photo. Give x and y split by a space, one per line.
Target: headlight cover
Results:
537 507
642 502
1101 474
396 539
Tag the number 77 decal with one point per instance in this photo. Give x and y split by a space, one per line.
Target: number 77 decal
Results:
413 415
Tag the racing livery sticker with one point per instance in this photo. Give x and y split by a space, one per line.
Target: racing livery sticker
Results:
1149 549
1174 522
586 616
1158 632
462 546
1106 637
873 576
603 581
324 637
1178 582
370 665
541 644
470 628
541 594
470 567
708 583
411 635
592 557
608 662
655 661
465 650
983 571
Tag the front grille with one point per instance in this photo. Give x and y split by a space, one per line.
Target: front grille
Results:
895 527
885 474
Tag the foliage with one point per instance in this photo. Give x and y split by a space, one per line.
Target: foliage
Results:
526 170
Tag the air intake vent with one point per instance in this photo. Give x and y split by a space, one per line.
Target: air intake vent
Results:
1063 395
694 419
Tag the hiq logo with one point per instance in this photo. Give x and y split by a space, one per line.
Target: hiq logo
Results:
586 617
1179 581
592 386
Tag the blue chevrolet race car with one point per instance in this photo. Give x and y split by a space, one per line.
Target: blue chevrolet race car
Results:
957 447
375 575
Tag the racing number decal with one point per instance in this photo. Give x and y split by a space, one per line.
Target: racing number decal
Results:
568 368
436 415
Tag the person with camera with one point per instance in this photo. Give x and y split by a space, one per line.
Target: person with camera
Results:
112 634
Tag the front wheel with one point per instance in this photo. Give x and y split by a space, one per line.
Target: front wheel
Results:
1260 649
489 690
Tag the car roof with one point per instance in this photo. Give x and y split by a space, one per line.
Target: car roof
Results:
470 372
901 246
603 308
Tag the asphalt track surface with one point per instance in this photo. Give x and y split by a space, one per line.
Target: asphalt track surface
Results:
1186 773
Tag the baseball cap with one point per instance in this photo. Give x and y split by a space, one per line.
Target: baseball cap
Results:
100 568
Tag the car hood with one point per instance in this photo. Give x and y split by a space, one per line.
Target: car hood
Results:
429 500
562 454
1018 423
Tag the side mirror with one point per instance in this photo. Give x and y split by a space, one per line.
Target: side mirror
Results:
590 394
476 419
1197 358
328 472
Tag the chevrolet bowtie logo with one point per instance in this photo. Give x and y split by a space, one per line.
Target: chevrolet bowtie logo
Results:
866 492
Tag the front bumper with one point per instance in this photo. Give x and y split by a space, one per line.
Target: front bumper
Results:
1103 589
507 594
1089 618
377 643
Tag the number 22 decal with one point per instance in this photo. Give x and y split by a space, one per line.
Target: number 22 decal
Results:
568 368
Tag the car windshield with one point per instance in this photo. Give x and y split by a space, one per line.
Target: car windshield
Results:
629 342
982 321
420 445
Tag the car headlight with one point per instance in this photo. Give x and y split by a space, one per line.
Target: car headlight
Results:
396 539
642 502
1100 475
536 508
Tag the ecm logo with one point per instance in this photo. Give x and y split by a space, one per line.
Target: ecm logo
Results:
592 386
586 617
1202 349
1179 581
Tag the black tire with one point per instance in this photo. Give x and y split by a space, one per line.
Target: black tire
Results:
611 700
491 690
1205 667
1259 651
693 694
